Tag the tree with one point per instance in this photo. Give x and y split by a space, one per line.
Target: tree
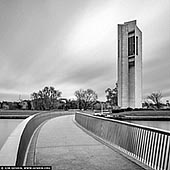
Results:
80 97
85 98
155 98
34 97
54 95
72 104
45 98
112 95
41 100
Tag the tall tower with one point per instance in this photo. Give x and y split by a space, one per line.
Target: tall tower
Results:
129 65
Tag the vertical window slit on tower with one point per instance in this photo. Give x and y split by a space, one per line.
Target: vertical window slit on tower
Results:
131 43
136 45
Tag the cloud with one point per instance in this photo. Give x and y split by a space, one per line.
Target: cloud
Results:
157 70
87 72
74 45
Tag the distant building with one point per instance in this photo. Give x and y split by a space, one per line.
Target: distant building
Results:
167 104
26 105
129 65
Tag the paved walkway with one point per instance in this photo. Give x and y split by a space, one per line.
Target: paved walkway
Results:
64 146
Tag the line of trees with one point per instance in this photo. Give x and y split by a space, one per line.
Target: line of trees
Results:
86 98
112 96
49 98
46 98
154 101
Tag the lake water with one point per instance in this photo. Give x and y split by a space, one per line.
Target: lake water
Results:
165 125
6 128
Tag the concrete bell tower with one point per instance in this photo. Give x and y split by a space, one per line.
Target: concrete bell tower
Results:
129 65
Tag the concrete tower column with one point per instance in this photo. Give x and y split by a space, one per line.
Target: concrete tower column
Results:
129 65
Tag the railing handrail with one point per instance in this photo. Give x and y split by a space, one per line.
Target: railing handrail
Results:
150 146
153 129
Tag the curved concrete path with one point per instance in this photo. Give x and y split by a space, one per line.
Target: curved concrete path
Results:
64 146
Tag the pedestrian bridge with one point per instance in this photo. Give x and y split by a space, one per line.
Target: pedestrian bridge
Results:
83 141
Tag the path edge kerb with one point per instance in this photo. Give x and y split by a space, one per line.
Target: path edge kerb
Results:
14 150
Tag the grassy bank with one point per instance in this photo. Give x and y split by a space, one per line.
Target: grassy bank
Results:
142 115
145 113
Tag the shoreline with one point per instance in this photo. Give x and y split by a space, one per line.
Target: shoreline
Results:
14 116
144 118
135 115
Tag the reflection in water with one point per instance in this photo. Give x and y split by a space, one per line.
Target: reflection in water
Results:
6 127
165 125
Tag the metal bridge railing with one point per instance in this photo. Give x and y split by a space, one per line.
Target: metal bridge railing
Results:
151 146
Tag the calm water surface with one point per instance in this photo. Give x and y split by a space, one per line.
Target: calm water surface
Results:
6 128
165 125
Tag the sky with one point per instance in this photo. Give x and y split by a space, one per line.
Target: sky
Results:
72 44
